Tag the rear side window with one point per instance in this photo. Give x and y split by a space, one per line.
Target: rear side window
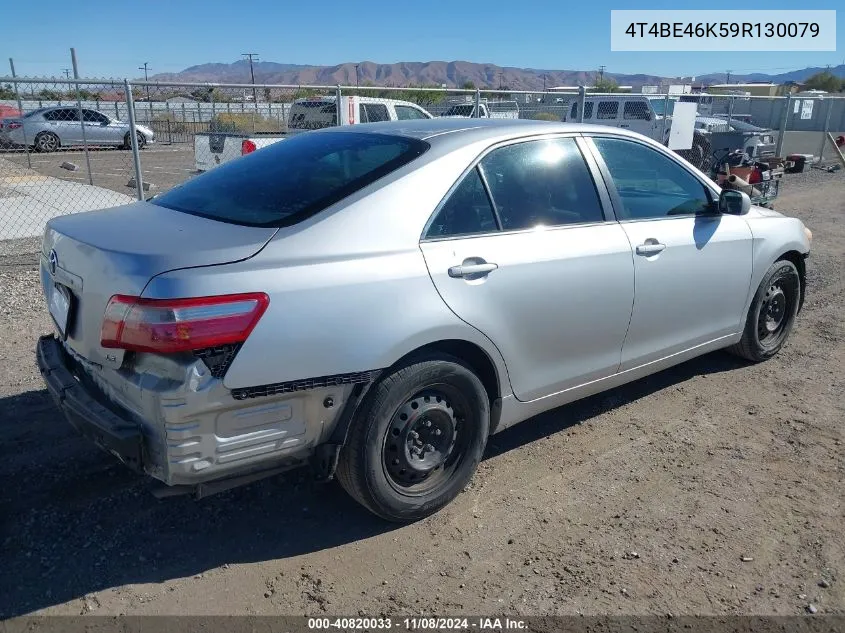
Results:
292 179
541 183
608 110
467 211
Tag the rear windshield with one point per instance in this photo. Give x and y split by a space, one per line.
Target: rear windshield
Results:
292 179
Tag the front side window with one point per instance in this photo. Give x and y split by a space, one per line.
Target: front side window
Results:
588 110
650 184
638 110
290 181
407 113
467 211
541 183
92 116
374 112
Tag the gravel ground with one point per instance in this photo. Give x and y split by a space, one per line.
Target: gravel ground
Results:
712 488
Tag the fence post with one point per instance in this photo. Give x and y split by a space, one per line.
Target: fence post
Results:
582 100
826 130
20 109
81 118
730 111
477 110
116 111
339 101
783 121
136 156
169 132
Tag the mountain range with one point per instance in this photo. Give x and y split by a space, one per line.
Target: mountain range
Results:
454 74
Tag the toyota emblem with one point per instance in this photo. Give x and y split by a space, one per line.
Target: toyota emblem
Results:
54 261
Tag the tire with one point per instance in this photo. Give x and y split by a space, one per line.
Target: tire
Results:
46 142
127 141
772 313
417 440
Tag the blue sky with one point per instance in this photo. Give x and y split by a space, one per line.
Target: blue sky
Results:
113 38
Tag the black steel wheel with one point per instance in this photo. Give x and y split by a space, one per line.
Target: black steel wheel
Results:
417 440
772 313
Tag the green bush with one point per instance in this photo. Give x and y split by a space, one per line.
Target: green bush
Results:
246 122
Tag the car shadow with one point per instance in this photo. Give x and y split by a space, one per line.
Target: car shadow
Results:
74 521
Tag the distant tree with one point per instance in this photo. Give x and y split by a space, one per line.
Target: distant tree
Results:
826 81
7 91
468 85
605 85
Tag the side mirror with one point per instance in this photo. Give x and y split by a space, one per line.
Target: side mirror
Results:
734 202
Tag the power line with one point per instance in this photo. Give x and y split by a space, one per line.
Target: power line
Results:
252 73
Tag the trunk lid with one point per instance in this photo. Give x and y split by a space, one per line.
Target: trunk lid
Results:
117 251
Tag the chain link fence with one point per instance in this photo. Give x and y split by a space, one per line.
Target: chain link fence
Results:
68 146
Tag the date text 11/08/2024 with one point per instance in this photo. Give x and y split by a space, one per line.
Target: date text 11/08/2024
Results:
417 624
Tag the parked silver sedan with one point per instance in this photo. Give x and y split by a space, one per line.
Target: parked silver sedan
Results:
378 299
48 129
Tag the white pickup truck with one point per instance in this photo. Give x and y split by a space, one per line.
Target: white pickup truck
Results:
486 109
215 148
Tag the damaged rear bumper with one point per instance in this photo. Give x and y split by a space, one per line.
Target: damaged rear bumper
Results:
113 433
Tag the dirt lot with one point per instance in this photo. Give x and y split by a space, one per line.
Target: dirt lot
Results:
163 165
712 488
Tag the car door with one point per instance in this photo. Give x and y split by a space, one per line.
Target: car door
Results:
99 129
68 126
692 265
521 250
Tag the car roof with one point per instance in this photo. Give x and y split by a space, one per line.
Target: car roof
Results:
460 131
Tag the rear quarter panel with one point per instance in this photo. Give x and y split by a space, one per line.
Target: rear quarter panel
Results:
349 289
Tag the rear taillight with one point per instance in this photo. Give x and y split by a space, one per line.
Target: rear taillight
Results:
167 326
14 126
247 147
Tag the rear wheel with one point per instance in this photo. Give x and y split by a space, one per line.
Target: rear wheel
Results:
46 142
418 439
772 313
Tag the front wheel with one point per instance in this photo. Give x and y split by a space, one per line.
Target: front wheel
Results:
417 440
772 313
127 141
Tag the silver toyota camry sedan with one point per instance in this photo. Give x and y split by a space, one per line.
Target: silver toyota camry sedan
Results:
376 300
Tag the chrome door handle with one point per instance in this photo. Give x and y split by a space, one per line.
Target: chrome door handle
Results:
466 270
650 247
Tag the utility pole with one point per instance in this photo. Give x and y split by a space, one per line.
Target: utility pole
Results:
728 76
145 68
601 74
544 82
66 71
356 75
252 75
